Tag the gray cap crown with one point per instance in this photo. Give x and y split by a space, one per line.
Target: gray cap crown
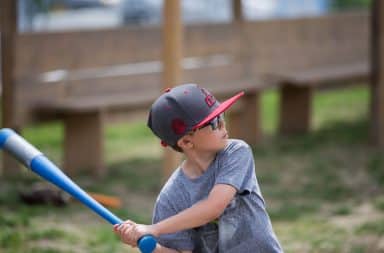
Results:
179 110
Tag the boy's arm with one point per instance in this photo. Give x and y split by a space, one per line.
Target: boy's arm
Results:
199 214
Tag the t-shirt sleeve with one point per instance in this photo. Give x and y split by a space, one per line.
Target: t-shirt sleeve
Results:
236 168
182 240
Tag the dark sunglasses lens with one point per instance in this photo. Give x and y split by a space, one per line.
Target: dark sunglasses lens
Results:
215 123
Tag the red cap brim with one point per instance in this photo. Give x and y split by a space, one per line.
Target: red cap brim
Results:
221 108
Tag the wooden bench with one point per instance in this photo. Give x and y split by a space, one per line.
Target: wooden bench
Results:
303 54
84 120
297 87
86 77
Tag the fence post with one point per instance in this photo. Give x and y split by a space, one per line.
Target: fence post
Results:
172 56
8 16
237 11
377 84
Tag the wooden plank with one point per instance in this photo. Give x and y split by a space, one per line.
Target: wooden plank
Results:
54 95
308 42
40 52
113 85
342 73
377 87
135 100
209 39
78 105
226 75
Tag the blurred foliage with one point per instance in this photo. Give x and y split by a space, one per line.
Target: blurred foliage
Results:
351 4
379 203
42 5
374 227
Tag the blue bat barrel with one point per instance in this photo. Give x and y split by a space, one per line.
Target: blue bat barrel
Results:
32 158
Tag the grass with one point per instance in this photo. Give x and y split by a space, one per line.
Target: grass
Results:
310 235
373 227
323 189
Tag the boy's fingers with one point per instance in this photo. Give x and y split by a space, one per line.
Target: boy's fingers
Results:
123 229
121 226
128 236
129 222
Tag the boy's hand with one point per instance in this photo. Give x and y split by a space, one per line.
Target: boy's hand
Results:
131 232
124 231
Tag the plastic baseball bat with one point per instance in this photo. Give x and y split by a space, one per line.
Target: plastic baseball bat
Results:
32 158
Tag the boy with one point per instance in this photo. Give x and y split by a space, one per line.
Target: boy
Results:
212 202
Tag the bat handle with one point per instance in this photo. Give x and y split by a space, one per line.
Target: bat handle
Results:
147 244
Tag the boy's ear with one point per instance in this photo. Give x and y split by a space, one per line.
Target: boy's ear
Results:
185 142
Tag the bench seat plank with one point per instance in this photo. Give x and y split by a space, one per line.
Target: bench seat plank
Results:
351 72
132 101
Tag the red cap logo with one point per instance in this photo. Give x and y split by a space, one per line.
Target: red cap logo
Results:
209 99
178 126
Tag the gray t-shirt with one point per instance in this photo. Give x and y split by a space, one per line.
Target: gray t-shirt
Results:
244 227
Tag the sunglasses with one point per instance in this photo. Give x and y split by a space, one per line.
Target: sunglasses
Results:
215 123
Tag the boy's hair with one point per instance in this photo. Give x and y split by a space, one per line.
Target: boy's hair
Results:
177 148
183 109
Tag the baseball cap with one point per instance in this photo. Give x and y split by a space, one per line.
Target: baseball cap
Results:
182 109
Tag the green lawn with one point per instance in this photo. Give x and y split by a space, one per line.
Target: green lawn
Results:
324 190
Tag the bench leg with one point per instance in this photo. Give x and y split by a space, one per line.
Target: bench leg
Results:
295 109
245 122
84 143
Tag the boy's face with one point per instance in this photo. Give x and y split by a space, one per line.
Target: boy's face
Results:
211 137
